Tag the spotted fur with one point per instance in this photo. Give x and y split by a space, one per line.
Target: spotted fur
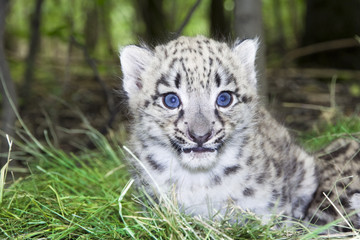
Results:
206 155
339 173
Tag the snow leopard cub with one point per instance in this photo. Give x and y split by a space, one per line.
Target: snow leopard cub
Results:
200 132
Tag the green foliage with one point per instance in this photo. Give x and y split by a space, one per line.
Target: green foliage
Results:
322 135
66 195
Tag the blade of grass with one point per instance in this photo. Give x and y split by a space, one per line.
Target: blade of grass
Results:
121 197
4 170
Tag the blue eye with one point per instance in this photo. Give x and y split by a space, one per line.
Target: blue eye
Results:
224 99
171 100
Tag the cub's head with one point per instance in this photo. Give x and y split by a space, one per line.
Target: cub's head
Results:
194 96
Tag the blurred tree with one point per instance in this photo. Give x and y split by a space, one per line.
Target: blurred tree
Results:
34 44
280 43
249 24
153 17
7 88
105 19
91 26
328 20
219 22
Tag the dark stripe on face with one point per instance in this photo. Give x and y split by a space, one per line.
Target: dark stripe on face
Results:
217 80
162 81
180 115
230 78
219 117
245 99
176 146
177 81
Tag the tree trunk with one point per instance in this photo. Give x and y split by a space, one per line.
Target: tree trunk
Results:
248 24
7 88
152 14
91 26
219 23
33 50
328 20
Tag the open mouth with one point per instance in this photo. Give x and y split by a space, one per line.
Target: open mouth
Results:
198 150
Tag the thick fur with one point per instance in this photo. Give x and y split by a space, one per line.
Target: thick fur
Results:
207 156
339 171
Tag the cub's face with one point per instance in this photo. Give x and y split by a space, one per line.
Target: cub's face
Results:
194 96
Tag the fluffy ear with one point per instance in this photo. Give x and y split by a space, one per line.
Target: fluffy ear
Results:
245 52
133 61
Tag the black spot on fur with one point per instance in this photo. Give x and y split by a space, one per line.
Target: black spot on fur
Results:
318 221
248 192
146 104
245 99
275 195
216 180
231 170
344 202
250 161
155 165
260 179
284 197
336 153
330 210
210 61
271 205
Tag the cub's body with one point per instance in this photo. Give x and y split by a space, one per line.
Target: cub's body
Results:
201 136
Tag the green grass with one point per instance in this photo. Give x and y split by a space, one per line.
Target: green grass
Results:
89 194
323 134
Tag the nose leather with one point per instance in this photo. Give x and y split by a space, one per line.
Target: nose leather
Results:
199 130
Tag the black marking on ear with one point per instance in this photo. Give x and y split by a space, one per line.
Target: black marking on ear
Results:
177 81
217 80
